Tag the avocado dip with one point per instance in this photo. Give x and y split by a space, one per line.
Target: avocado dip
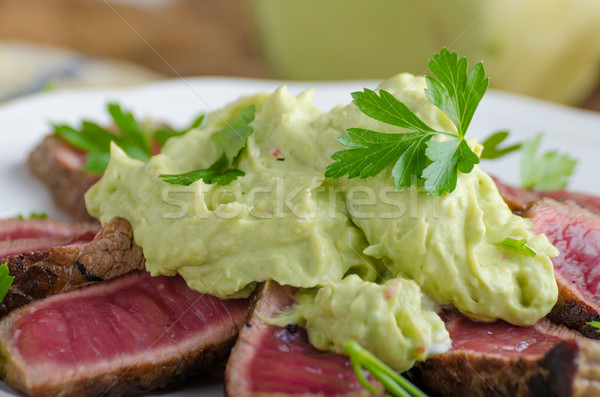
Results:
350 242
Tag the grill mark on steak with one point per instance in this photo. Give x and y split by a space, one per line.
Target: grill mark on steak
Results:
117 338
271 361
59 167
575 231
490 360
42 273
88 277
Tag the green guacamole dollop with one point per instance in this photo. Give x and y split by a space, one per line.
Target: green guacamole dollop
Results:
366 312
285 221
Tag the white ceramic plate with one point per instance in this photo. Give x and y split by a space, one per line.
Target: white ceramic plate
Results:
24 122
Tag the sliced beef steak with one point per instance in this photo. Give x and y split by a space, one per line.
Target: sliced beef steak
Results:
59 166
575 231
518 198
24 235
500 359
16 228
274 361
38 274
132 334
588 201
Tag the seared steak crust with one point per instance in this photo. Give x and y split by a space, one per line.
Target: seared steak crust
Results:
40 274
574 311
500 359
460 374
59 166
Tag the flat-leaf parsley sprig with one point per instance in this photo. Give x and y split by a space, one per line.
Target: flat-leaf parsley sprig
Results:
129 135
546 171
229 140
453 89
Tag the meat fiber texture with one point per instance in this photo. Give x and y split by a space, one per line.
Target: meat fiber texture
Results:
500 359
518 198
39 274
24 235
575 231
269 361
132 334
59 167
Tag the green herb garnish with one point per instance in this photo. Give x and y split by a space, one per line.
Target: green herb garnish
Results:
520 245
393 382
595 324
95 140
33 215
454 90
229 141
218 173
549 171
165 132
5 280
491 149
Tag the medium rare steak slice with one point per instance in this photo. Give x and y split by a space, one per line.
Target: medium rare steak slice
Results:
24 235
500 359
575 231
132 334
273 361
590 202
111 253
59 166
16 228
518 198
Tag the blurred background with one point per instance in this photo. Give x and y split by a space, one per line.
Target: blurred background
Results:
548 49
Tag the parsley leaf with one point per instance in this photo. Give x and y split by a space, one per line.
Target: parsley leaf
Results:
166 132
373 151
491 149
386 108
33 215
232 138
595 324
229 140
454 90
5 280
447 158
131 139
217 173
549 171
95 140
520 245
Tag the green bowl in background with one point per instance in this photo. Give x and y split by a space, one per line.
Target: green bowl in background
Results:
544 48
